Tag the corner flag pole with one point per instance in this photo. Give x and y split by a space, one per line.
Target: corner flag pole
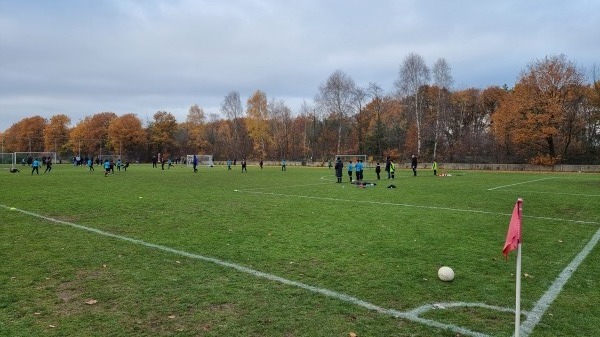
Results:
518 295
513 241
518 273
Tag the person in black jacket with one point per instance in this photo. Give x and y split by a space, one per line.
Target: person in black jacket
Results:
338 170
413 165
387 167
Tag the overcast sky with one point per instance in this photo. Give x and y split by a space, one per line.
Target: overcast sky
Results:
81 57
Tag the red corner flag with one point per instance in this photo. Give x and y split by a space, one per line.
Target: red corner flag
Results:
513 237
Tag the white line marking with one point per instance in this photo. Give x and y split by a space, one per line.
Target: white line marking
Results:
326 292
535 314
286 186
561 193
525 182
428 307
415 206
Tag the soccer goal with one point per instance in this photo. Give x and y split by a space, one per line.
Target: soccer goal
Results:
203 160
26 158
345 158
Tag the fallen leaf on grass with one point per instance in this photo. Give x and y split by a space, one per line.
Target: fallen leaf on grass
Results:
52 326
352 334
91 302
172 316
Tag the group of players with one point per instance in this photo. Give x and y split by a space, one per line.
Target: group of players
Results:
358 168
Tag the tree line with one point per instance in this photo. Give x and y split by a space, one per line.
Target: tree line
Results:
551 115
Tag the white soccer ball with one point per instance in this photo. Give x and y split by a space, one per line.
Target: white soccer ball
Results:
446 274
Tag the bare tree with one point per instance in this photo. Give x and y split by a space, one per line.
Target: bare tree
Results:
442 78
414 74
336 97
376 93
232 108
360 95
281 126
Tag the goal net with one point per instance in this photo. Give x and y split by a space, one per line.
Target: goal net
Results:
6 159
345 158
26 158
203 160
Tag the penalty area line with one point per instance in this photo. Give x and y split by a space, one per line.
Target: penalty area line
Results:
415 206
322 291
524 182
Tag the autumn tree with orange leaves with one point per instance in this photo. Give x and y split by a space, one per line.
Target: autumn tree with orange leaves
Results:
27 135
539 119
89 137
126 134
56 133
257 122
195 123
162 133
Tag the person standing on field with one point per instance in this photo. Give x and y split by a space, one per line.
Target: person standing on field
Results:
413 165
48 165
106 167
195 163
244 169
392 168
338 170
350 170
35 166
283 164
90 164
387 166
378 171
359 170
434 167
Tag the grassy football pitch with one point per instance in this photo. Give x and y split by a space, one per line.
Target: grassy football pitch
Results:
152 252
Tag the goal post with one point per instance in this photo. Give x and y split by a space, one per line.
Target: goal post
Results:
345 158
203 160
26 158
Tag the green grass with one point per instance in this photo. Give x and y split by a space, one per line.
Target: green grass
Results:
379 245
